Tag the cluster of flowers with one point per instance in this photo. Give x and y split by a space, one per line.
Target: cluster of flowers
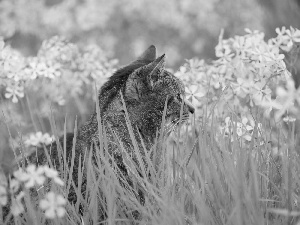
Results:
52 204
38 139
244 129
76 67
249 72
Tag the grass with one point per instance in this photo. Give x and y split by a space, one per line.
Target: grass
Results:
203 178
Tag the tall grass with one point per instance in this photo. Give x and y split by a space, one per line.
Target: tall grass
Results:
200 178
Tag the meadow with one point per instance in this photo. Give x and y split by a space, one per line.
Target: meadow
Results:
236 161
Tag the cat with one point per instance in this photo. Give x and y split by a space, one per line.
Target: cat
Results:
145 86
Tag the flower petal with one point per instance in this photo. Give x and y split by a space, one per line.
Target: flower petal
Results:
193 88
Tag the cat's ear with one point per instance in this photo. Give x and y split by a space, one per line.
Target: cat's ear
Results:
155 70
148 56
144 78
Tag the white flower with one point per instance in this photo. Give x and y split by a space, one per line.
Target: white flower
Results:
193 94
280 32
52 70
33 176
35 69
261 93
239 129
3 188
16 205
53 174
241 88
47 139
34 139
14 92
286 98
286 38
14 185
241 43
181 72
294 34
37 139
248 126
244 129
13 62
53 205
195 64
3 196
289 119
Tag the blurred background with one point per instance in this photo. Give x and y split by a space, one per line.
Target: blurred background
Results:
182 29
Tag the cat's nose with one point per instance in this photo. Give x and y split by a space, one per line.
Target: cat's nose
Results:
189 105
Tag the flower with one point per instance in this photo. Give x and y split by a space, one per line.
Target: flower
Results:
289 119
261 92
13 62
3 195
53 205
286 98
38 139
32 176
294 34
16 205
53 174
14 185
193 94
35 69
14 92
286 38
281 31
52 70
244 128
241 43
249 126
3 188
241 88
195 64
181 72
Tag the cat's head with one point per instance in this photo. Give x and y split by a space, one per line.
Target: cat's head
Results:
147 86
